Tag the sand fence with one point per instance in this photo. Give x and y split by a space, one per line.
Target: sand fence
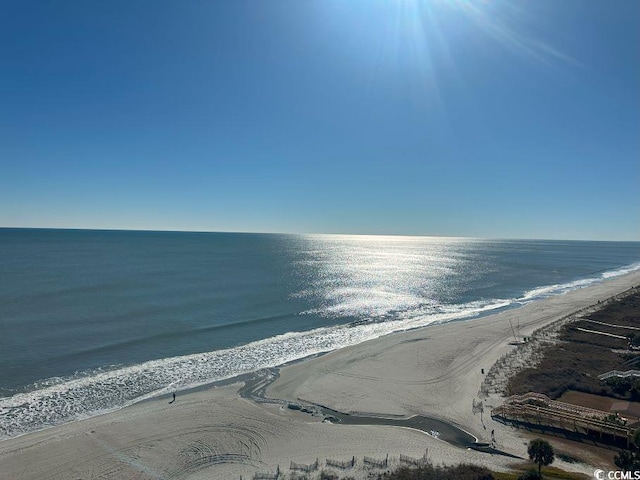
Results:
312 467
416 462
341 465
374 463
267 476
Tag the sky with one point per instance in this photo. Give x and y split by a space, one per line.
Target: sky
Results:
480 118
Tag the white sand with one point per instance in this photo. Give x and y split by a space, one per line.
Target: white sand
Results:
433 371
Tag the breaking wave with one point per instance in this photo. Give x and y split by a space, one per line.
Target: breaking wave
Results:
59 400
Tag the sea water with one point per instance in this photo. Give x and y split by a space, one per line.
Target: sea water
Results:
95 320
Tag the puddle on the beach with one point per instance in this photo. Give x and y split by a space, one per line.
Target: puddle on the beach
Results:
255 388
436 428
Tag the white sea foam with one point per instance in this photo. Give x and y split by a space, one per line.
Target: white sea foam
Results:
62 400
621 271
102 391
549 290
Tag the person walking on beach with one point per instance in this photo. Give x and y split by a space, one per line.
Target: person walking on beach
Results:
174 398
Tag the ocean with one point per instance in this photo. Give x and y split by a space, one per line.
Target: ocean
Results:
95 320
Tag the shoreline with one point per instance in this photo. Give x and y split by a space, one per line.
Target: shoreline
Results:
433 371
333 363
83 402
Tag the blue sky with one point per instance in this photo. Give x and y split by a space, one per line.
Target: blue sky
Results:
488 118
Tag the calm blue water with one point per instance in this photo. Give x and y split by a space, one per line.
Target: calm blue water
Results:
93 320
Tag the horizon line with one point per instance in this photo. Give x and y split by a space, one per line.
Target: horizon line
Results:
246 232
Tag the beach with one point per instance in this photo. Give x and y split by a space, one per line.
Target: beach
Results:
213 432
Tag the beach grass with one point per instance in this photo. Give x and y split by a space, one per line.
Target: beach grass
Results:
580 356
548 473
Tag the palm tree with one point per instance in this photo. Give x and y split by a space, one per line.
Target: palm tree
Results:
540 452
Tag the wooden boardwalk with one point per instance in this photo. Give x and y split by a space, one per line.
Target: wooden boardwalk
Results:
537 409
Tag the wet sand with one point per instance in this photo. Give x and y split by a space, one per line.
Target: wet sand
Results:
215 433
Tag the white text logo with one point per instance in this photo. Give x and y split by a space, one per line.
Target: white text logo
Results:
616 475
